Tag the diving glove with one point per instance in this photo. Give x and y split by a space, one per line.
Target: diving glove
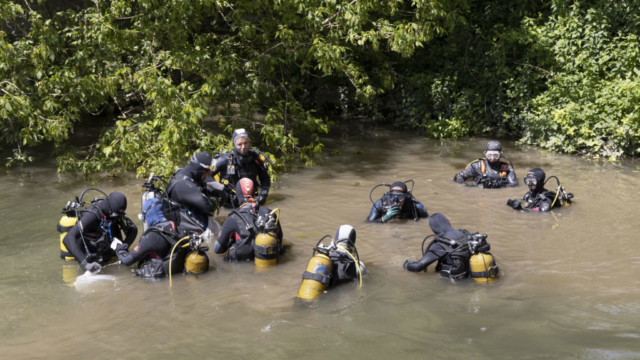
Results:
391 212
92 266
515 204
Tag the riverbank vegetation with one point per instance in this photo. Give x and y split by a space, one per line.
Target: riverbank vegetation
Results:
176 76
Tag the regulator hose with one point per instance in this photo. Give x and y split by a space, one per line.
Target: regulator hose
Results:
171 257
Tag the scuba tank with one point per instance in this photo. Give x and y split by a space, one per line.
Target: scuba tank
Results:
266 245
330 264
482 265
318 274
71 214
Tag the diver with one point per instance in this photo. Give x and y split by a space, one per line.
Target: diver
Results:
458 253
157 252
243 162
332 264
538 198
192 187
490 171
99 225
397 203
245 226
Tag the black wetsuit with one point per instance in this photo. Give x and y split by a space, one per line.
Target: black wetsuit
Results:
185 188
235 225
234 166
540 200
498 174
411 209
449 259
98 231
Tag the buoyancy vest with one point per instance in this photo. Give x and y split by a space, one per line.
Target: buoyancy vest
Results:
247 231
153 267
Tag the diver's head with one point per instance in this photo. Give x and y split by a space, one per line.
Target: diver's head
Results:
244 190
397 193
535 179
346 235
241 141
493 151
201 164
116 204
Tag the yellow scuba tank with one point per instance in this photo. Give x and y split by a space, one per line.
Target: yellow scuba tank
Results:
483 268
316 278
65 224
196 262
267 243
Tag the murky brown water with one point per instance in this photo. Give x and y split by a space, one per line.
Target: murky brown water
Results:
569 285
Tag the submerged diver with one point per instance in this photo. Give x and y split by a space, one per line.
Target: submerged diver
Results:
244 162
397 203
332 264
458 253
89 240
241 232
490 171
538 198
192 186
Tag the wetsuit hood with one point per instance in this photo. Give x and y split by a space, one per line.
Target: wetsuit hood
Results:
238 134
346 233
198 166
244 190
401 185
114 205
442 227
540 176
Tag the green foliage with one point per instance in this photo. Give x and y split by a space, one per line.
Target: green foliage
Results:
175 73
175 77
592 103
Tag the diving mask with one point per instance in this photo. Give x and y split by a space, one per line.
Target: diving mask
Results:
211 166
493 155
530 181
396 196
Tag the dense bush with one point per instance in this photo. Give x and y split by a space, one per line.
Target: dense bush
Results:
176 76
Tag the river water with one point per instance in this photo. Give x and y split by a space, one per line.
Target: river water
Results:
568 288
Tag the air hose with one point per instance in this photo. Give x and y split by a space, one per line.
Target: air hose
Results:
171 257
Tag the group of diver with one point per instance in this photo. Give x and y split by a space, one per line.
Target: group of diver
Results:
177 214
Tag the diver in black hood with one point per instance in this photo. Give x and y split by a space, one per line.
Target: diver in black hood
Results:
538 198
440 251
191 185
459 253
244 162
397 203
490 171
89 240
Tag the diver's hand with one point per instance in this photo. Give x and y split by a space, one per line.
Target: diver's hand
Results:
115 243
515 204
260 199
92 266
391 212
